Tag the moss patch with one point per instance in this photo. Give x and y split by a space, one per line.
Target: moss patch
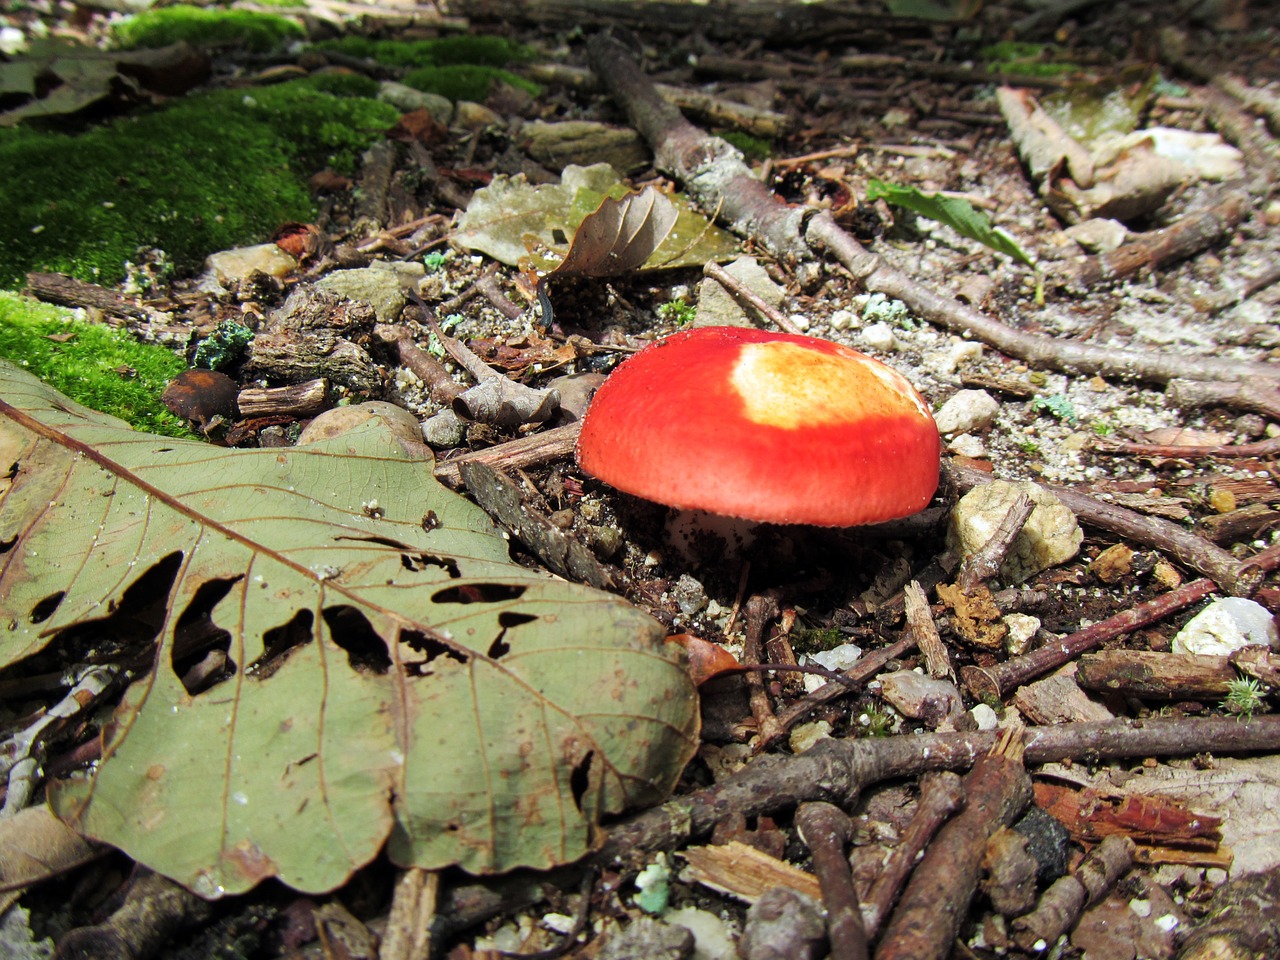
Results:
206 173
91 364
206 27
464 81
475 50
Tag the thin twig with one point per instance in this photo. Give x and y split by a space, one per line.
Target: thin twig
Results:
749 297
825 829
985 563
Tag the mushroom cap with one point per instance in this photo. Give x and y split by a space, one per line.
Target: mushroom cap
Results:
765 426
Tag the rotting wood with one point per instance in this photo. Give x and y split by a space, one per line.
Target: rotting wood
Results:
921 626
1160 676
298 401
936 900
69 292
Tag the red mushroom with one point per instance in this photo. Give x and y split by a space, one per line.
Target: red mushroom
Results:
763 426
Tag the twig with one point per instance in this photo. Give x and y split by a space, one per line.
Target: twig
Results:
429 370
993 683
413 908
740 292
837 770
825 830
1262 448
985 563
937 898
514 454
921 627
941 795
760 609
1061 905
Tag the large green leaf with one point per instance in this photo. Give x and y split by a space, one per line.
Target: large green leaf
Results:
395 677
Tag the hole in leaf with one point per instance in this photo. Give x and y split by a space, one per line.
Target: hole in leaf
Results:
279 643
43 609
131 627
380 541
580 779
352 631
7 545
421 561
201 655
478 593
430 648
507 620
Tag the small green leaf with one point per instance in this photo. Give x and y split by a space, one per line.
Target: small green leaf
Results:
956 213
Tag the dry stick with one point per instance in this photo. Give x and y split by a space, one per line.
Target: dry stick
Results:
837 770
760 610
825 829
749 297
1262 448
514 454
1061 905
985 563
941 795
1258 397
1232 575
713 172
993 683
413 908
921 626
429 370
936 900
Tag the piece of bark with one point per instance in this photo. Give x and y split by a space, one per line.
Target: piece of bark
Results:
376 166
154 909
70 292
1058 699
920 622
936 901
782 925
1061 905
743 872
997 681
1147 674
759 611
429 370
825 829
1009 873
299 401
413 907
557 551
312 355
1241 525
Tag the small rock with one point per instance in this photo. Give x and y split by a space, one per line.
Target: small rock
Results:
837 658
1098 235
711 934
689 595
880 336
1022 627
444 430
717 307
1050 536
381 285
985 717
783 925
967 411
844 320
921 697
230 266
1225 626
474 116
407 99
584 142
648 939
342 420
805 735
967 445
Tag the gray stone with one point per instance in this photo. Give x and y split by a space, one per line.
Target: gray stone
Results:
967 411
443 430
717 307
584 142
1225 626
1050 536
381 285
406 98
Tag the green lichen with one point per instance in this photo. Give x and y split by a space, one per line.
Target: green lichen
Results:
205 173
96 366
465 81
206 27
475 50
224 346
753 148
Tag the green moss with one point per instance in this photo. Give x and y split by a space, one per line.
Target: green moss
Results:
91 364
816 639
753 148
475 50
206 27
465 82
345 84
206 173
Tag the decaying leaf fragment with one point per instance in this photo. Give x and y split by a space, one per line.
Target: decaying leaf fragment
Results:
391 677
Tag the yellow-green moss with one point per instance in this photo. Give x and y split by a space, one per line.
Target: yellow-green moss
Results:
476 50
96 366
753 148
206 27
465 81
205 173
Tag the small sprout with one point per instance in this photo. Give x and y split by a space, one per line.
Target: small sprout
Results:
1029 447
679 311
1244 696
876 722
1103 429
1056 405
434 260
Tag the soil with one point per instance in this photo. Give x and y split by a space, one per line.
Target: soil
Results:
907 121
